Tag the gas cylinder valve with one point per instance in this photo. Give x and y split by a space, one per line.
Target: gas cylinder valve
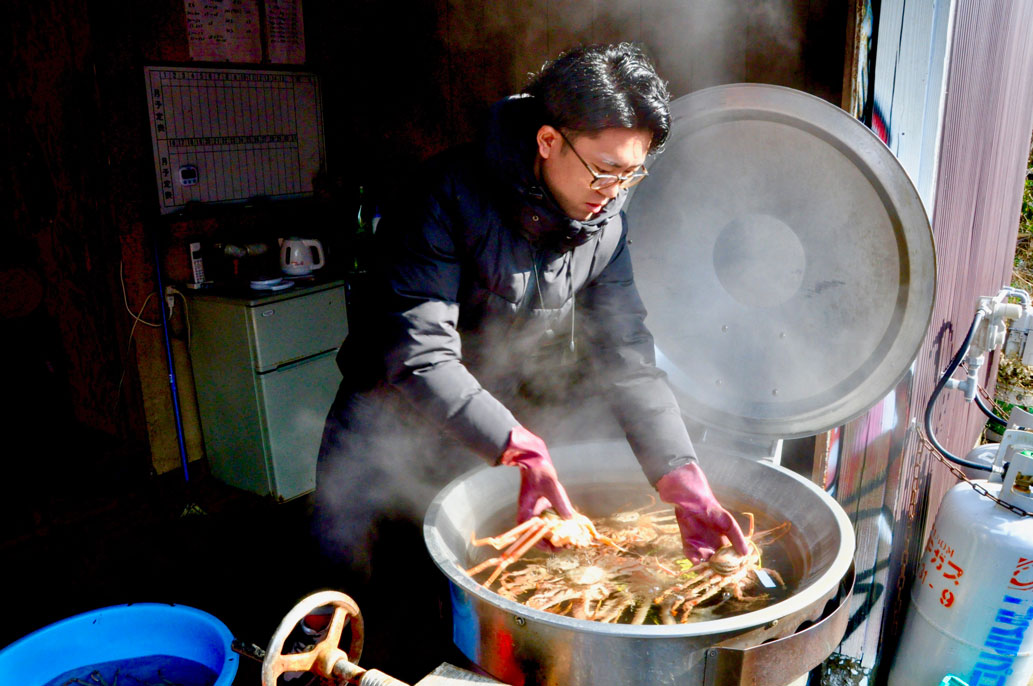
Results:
997 324
992 331
1017 343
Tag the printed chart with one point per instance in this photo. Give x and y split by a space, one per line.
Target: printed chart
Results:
229 135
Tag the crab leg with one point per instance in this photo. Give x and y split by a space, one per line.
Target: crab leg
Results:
640 613
511 557
689 604
702 581
709 592
667 610
614 607
556 597
527 532
512 554
497 542
750 519
772 535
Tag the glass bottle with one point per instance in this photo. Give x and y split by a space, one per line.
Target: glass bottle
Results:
362 236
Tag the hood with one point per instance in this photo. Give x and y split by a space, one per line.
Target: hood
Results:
510 150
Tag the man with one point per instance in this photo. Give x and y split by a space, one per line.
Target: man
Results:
506 265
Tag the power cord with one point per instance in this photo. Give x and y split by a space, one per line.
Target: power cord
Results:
129 345
125 300
137 319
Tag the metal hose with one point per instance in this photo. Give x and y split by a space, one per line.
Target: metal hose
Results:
936 394
988 411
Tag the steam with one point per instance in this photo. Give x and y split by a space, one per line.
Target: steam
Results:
694 44
389 469
395 461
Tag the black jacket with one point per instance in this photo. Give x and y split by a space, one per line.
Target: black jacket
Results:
486 284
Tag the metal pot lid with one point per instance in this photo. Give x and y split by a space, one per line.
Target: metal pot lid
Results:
785 259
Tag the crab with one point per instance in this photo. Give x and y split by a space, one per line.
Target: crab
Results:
585 584
578 532
641 526
597 579
724 572
632 588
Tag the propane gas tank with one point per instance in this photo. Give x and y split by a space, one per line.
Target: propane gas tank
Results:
972 601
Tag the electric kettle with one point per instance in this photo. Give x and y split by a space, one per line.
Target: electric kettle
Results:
300 256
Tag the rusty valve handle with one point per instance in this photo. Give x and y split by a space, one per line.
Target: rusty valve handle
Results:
325 658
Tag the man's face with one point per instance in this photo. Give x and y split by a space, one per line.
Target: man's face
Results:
610 151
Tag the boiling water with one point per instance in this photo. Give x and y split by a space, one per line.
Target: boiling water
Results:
150 670
783 555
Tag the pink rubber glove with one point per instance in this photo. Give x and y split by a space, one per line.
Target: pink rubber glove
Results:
704 524
540 488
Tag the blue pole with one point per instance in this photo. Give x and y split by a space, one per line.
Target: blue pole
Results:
171 361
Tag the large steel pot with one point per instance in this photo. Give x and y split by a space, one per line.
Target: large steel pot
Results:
520 645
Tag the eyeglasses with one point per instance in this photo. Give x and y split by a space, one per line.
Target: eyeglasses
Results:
601 182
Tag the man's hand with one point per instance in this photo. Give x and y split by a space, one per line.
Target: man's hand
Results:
540 488
704 524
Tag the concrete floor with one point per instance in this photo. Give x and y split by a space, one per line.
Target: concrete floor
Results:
246 560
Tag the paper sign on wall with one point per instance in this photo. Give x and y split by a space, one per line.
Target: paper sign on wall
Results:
284 31
230 31
223 30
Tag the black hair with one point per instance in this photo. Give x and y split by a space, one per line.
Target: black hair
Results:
596 87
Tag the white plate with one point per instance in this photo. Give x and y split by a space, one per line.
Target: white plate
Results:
277 284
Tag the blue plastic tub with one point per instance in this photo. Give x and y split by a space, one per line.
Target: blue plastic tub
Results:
121 632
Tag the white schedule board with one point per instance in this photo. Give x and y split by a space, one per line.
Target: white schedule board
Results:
231 135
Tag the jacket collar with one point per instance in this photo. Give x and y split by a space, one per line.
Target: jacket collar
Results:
510 152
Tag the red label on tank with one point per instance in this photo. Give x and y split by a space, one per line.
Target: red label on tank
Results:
938 571
1022 579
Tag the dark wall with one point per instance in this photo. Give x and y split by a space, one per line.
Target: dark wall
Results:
400 81
64 350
